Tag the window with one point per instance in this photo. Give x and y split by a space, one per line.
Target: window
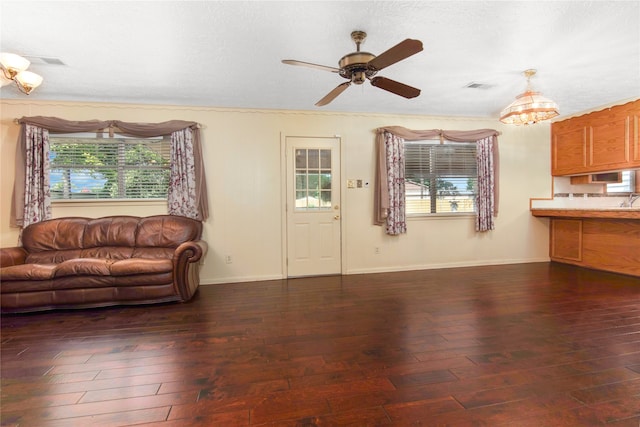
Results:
628 184
84 167
313 178
440 178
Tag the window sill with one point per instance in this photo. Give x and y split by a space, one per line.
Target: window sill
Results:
110 202
421 217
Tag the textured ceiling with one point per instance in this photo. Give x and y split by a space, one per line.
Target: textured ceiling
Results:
228 53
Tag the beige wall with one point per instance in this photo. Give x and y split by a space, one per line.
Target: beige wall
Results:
243 160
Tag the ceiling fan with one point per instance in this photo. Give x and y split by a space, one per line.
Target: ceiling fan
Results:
358 66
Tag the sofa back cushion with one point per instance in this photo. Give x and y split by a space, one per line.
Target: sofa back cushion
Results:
166 231
110 231
114 237
54 235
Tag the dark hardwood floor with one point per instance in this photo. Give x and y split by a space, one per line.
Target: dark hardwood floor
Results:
517 345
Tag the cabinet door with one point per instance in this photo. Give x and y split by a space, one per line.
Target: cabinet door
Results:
609 140
566 239
634 128
569 148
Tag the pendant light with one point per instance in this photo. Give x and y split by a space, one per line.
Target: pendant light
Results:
529 107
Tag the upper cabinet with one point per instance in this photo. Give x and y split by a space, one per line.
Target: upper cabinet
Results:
605 140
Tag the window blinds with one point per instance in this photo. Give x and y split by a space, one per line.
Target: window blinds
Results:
111 168
424 161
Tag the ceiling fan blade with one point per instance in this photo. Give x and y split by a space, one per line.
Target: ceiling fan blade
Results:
309 64
333 94
397 53
395 87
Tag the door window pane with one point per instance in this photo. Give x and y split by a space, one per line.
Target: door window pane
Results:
314 160
313 184
301 159
325 159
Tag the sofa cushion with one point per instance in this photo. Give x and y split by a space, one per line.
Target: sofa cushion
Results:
132 266
28 272
54 234
153 253
52 257
166 231
84 267
110 231
109 252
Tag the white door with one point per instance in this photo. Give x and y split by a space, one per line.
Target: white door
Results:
313 206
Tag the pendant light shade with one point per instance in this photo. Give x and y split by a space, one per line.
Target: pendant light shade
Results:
529 107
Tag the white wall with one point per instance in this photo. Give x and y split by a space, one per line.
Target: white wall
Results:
242 151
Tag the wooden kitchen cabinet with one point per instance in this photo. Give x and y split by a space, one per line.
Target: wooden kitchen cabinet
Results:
603 244
605 140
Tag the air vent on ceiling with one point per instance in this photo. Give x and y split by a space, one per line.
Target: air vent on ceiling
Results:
474 85
45 60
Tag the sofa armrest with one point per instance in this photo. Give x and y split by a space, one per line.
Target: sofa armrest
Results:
12 256
186 267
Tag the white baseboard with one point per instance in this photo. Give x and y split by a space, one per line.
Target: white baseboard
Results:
220 280
476 263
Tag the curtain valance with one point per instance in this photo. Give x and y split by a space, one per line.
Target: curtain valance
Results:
143 130
450 135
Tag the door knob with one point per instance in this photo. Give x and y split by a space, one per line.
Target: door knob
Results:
336 217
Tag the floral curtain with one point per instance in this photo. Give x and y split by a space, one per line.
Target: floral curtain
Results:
485 198
36 200
396 215
181 196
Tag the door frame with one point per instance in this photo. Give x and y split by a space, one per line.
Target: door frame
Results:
283 198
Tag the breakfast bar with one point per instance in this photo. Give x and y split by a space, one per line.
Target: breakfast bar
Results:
602 239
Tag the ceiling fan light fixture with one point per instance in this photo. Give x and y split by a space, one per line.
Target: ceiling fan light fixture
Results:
13 63
28 81
359 77
14 68
529 107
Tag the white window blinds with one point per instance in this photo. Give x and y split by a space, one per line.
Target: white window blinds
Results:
440 178
109 168
426 160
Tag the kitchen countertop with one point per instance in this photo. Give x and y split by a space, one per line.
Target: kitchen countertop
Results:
586 212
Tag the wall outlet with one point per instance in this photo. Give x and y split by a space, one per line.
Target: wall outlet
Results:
351 183
376 250
228 259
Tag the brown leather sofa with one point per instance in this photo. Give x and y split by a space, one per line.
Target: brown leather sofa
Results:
83 262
